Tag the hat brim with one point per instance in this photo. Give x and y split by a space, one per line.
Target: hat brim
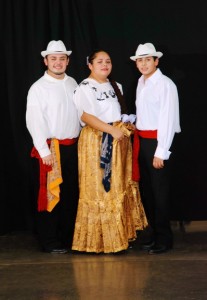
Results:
45 53
156 54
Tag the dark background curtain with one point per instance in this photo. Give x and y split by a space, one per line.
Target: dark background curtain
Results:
177 28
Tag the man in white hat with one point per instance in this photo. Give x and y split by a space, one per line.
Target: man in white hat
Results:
157 111
52 121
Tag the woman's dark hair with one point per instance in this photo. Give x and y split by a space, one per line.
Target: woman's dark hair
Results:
119 95
92 55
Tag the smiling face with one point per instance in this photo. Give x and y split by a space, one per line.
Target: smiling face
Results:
56 65
147 65
100 66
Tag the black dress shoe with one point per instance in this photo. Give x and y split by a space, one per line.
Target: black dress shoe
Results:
147 246
158 249
131 245
56 250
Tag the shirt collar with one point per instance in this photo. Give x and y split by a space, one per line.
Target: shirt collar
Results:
155 76
52 79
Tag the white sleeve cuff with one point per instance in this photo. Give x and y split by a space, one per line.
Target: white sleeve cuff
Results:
162 153
44 152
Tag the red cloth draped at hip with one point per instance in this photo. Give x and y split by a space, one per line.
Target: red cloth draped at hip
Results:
44 169
148 134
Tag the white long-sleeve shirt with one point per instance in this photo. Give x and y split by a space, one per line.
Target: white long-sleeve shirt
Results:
157 108
98 99
51 112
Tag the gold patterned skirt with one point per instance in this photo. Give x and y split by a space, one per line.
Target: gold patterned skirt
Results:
106 221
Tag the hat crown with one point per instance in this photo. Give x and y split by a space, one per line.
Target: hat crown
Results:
145 49
56 46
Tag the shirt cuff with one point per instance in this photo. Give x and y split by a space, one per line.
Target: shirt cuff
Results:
44 152
162 153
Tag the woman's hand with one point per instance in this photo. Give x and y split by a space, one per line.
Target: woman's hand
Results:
130 126
96 123
117 133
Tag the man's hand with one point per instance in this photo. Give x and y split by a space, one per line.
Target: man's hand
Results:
158 163
48 160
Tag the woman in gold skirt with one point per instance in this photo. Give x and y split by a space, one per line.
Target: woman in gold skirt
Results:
110 210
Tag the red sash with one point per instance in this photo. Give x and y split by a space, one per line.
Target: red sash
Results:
44 169
148 134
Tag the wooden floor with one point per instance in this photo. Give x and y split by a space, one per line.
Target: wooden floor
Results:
27 274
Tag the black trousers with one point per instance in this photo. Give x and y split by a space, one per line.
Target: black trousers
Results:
155 192
55 228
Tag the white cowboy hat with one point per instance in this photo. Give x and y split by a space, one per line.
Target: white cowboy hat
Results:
146 50
55 47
